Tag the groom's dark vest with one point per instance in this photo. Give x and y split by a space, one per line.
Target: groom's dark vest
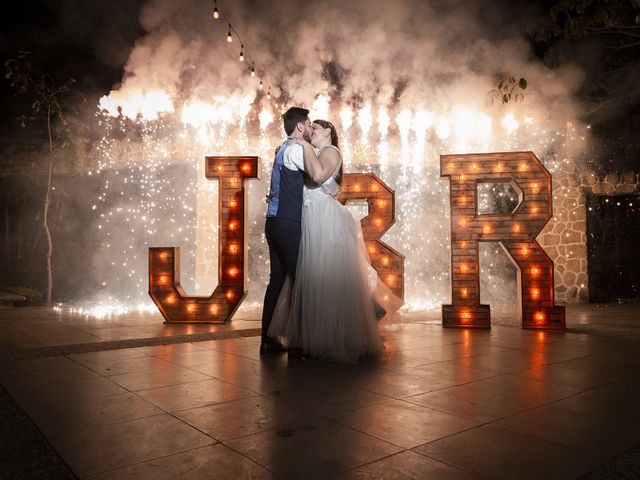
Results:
285 194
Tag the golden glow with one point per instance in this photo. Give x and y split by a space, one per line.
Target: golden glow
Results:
191 308
229 294
516 228
463 244
233 248
378 221
164 255
385 260
233 272
486 229
163 279
233 204
213 309
464 292
233 225
464 268
171 299
535 293
535 270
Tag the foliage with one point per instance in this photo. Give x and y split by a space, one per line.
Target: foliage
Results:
616 23
41 86
508 90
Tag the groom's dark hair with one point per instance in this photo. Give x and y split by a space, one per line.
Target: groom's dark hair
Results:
292 117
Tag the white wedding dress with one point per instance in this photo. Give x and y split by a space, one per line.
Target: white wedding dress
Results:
329 312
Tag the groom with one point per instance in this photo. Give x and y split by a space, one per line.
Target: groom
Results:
283 224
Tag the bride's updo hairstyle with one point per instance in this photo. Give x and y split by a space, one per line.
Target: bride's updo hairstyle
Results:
334 142
329 125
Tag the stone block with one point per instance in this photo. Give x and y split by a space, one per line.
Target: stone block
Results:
571 237
573 265
589 178
612 179
579 226
561 288
550 239
569 278
582 280
629 177
625 188
574 180
603 189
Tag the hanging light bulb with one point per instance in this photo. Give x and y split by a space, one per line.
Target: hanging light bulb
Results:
261 86
242 53
229 37
253 70
269 93
216 13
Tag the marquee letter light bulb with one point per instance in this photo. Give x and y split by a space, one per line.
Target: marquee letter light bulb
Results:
164 262
516 232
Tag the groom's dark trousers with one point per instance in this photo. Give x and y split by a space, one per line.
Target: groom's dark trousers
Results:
283 237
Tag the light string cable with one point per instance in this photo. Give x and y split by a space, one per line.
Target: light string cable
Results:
245 56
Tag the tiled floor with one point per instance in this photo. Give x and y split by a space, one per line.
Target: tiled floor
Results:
440 403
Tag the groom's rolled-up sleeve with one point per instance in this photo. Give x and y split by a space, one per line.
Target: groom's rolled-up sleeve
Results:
294 157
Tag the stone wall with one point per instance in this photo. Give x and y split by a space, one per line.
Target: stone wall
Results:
564 238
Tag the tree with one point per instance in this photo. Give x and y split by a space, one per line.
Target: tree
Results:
46 95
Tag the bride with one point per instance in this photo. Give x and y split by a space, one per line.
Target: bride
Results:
330 310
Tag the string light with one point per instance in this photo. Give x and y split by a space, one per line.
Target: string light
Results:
229 37
216 13
242 53
261 86
253 70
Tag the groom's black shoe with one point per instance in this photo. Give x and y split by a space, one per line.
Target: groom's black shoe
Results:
270 347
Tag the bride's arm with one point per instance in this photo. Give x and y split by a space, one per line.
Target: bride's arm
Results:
319 168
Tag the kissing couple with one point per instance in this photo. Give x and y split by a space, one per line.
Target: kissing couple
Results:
324 299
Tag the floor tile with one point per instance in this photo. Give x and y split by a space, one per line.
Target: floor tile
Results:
503 454
313 450
68 417
215 462
402 423
405 466
246 416
158 377
106 448
194 394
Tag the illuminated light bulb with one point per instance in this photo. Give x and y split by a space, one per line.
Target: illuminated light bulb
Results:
381 203
269 93
385 260
213 309
463 222
163 279
171 299
374 187
499 167
534 209
462 178
233 248
464 292
357 188
390 278
523 167
464 268
536 188
245 168
486 229
229 37
164 255
232 225
516 228
220 168
233 272
260 86
216 13
242 53
539 316
372 249
233 204
191 308
451 166
386 297
525 251
535 292
466 315
463 199
229 294
535 270
253 69
378 221
474 167
463 245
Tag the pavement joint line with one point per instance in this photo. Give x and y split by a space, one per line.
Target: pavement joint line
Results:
57 350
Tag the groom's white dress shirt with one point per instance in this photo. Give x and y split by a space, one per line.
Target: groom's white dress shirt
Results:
294 157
